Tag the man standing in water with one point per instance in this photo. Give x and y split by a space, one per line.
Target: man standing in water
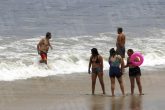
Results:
43 47
120 43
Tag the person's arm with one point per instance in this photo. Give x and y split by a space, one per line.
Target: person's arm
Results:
90 63
117 41
127 65
120 40
109 60
122 65
50 45
101 62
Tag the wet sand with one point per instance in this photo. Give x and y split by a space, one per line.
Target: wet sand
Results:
73 92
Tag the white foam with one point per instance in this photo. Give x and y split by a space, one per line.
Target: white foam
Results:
19 60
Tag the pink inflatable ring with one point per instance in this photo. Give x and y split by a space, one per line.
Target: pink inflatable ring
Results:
135 56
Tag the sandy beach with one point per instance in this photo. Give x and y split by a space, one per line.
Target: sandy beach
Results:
77 26
73 92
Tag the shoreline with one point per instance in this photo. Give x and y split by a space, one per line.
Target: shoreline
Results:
73 91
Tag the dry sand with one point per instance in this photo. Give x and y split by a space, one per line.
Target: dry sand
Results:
73 92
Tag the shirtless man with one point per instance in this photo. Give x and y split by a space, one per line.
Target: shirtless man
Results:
43 47
120 43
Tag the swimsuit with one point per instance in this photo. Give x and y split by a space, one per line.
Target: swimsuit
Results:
96 70
121 51
95 60
43 55
114 70
133 71
43 52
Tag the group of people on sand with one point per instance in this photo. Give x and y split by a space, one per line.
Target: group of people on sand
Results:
116 62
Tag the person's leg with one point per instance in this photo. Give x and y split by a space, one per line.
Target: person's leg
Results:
132 81
122 66
120 80
123 56
112 85
43 58
94 76
100 75
138 81
43 61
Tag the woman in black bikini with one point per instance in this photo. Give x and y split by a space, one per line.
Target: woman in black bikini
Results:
96 61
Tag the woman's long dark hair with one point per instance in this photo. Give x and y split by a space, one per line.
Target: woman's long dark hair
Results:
131 51
94 52
112 52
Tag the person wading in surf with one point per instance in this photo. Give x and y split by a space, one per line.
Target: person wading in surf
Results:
43 47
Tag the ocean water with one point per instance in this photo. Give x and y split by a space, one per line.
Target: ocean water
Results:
76 26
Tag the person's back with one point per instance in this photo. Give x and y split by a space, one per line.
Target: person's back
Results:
120 43
121 40
115 70
115 66
115 61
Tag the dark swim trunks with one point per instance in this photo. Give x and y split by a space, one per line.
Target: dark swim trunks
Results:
121 52
43 55
134 72
115 72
